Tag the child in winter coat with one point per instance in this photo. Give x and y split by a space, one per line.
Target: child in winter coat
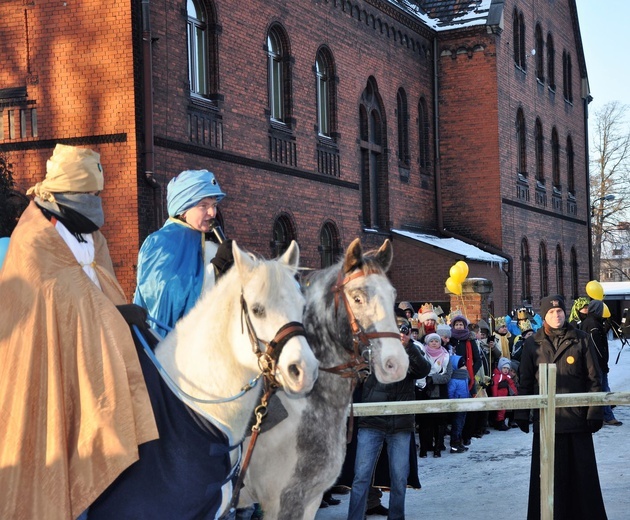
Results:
502 386
458 389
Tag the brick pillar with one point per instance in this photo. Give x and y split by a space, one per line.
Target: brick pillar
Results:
474 300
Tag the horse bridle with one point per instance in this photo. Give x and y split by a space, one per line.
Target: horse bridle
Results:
268 357
267 360
360 364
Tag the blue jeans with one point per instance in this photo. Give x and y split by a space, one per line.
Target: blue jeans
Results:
369 445
608 413
457 426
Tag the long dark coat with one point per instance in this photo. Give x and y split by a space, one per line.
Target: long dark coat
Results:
577 492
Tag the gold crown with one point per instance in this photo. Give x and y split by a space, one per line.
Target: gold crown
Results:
426 307
499 322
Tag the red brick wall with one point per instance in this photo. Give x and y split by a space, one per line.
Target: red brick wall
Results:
78 70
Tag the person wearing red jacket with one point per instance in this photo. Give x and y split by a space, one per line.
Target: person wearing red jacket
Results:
502 386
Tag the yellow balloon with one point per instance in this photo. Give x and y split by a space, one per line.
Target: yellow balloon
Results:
606 313
453 286
457 274
595 290
464 267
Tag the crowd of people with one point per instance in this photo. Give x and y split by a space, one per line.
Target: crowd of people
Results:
463 360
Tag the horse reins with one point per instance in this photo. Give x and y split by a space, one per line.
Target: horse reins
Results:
267 360
360 364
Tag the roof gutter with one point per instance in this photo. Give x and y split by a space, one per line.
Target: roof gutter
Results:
439 211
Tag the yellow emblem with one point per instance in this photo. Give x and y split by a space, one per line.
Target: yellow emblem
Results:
570 360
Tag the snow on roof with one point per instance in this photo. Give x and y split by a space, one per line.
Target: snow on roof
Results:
453 245
442 15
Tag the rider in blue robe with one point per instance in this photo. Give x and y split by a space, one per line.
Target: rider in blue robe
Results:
171 263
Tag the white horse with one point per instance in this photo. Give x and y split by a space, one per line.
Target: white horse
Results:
348 307
249 322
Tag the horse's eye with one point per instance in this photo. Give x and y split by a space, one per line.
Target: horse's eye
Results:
358 300
258 310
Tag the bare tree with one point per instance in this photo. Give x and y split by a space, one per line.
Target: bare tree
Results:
609 183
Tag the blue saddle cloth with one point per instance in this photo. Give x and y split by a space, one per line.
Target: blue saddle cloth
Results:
180 475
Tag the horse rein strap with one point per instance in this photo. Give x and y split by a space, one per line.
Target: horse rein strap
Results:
361 361
268 358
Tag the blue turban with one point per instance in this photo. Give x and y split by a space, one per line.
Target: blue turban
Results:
188 188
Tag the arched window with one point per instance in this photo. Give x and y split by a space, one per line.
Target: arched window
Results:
329 247
540 62
403 128
201 49
570 167
544 270
526 272
567 77
278 74
326 94
518 39
574 274
521 143
559 271
423 135
540 152
551 63
555 158
374 175
283 233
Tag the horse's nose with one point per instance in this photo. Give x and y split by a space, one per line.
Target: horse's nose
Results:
301 369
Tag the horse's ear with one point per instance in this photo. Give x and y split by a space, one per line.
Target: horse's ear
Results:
291 256
354 256
242 260
385 255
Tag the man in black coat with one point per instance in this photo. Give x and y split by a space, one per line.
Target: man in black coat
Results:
397 430
593 325
577 492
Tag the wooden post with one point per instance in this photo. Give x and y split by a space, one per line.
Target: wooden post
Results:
547 382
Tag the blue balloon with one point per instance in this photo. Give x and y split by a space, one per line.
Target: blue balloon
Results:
4 245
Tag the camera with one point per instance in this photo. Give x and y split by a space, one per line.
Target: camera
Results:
404 330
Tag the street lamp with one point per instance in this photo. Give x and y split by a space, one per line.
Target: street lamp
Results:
608 197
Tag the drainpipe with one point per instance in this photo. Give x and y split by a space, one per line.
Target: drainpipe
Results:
589 227
149 151
438 190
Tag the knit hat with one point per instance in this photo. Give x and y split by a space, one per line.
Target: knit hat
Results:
431 337
551 302
427 313
504 362
444 330
596 308
483 325
459 317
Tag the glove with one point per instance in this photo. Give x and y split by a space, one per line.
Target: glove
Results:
594 425
133 314
503 384
523 424
224 259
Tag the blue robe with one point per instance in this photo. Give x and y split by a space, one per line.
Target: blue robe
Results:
170 272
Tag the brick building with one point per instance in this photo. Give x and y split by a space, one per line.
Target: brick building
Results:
323 120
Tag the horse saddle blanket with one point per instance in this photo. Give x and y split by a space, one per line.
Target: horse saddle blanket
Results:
186 474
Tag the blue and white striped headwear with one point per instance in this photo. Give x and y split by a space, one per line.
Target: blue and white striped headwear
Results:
188 188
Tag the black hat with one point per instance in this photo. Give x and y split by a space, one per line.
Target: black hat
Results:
551 302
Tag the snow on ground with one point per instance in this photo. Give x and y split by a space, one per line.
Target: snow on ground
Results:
492 478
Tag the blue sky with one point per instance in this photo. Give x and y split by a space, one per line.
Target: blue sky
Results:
603 24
